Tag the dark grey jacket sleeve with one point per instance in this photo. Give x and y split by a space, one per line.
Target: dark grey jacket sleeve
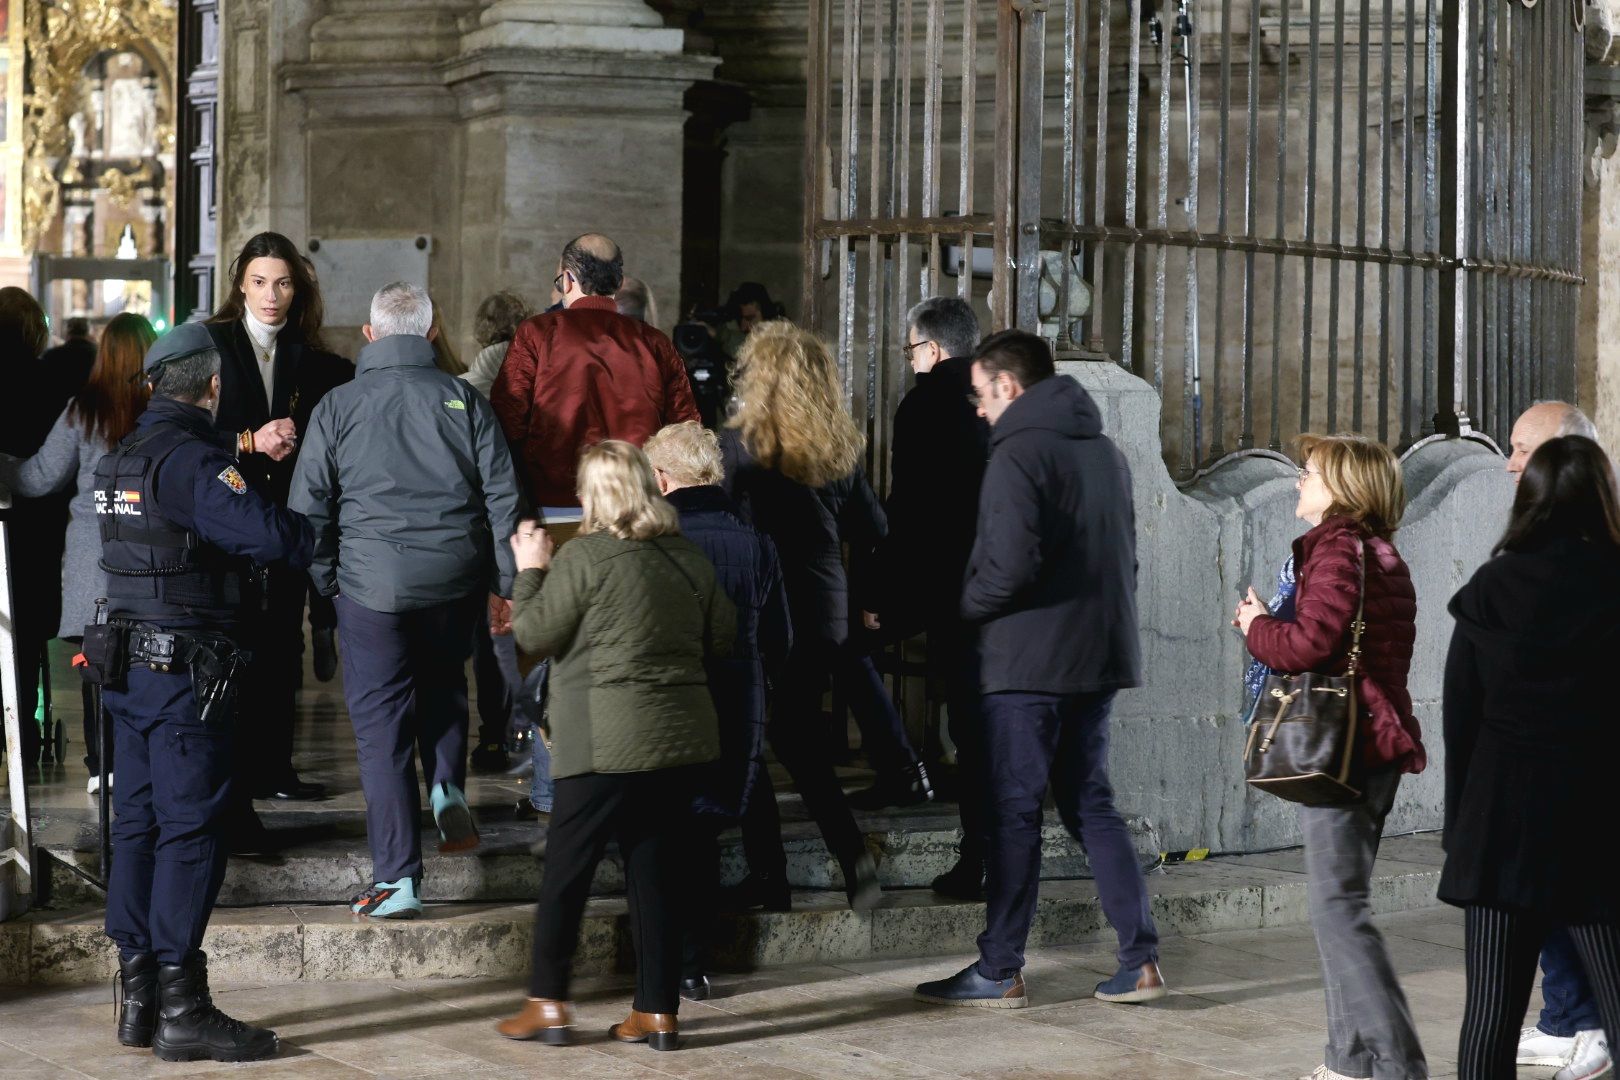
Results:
1006 556
499 478
314 494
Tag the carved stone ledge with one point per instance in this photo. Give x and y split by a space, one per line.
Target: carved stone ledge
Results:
1602 118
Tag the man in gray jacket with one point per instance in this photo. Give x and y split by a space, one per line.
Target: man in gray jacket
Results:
406 478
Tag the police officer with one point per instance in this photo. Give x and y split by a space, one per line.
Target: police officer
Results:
182 537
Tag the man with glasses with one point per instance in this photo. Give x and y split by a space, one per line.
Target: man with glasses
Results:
940 447
583 374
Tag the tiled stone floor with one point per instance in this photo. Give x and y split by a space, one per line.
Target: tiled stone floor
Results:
1245 1004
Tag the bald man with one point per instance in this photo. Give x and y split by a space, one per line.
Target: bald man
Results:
1568 1037
586 373
1542 421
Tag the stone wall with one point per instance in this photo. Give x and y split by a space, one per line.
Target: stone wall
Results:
499 129
1177 742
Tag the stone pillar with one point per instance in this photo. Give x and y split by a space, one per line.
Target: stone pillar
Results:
499 129
1602 368
572 115
1598 358
763 44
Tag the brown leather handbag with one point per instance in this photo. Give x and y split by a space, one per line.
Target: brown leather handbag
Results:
1302 742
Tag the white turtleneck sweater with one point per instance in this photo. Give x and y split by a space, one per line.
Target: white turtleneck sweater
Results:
263 337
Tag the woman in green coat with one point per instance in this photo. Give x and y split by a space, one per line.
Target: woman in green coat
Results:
628 611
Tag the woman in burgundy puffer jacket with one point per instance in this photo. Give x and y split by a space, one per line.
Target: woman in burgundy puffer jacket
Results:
1351 493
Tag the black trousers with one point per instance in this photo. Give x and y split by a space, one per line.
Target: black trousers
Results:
762 830
797 740
646 813
268 697
31 652
494 693
1502 949
953 655
92 746
700 889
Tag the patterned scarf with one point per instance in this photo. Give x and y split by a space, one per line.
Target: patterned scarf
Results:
1282 607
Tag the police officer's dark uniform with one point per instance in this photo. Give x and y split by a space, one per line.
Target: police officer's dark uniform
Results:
182 534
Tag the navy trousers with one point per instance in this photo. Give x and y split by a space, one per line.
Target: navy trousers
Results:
1031 739
404 676
883 732
1568 1004
174 780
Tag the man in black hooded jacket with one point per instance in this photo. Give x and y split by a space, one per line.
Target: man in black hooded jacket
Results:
1051 583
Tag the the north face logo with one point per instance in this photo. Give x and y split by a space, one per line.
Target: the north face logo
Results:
462 405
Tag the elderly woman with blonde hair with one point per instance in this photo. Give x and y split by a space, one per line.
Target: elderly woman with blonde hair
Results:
686 460
628 611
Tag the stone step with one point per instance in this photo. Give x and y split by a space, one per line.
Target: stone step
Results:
911 851
285 942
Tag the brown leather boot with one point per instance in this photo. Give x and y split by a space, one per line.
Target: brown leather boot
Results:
552 1022
658 1030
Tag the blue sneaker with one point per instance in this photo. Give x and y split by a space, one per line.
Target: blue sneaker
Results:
1133 986
967 987
457 829
389 900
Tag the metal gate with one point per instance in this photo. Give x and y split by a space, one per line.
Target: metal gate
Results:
1340 215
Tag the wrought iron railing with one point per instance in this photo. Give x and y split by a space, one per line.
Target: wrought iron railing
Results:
1335 215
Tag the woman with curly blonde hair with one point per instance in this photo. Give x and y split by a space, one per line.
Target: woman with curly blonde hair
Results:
788 410
792 463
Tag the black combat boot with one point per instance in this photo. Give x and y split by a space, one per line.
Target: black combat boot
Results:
189 1028
137 998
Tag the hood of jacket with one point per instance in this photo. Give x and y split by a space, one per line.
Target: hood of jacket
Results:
1548 606
394 351
1058 404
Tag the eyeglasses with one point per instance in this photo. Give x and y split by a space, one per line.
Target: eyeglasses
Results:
906 349
556 282
1306 474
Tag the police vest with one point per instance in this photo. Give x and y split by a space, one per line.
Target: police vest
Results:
156 569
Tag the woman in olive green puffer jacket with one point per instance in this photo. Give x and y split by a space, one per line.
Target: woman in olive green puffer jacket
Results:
625 621
628 611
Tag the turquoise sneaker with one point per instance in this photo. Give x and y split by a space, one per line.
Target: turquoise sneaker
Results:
389 900
457 829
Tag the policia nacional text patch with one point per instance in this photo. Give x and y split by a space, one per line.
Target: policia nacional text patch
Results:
233 480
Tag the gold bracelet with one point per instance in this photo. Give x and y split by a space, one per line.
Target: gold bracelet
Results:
244 442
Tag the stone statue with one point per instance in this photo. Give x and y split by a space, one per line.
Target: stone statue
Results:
76 127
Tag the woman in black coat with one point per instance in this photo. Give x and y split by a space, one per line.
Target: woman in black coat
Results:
32 401
274 370
1531 745
686 459
792 463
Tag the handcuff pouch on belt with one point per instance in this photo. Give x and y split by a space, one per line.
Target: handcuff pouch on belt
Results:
105 654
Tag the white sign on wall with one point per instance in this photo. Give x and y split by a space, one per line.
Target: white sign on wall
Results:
351 272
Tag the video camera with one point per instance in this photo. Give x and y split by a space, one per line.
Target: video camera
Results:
707 364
